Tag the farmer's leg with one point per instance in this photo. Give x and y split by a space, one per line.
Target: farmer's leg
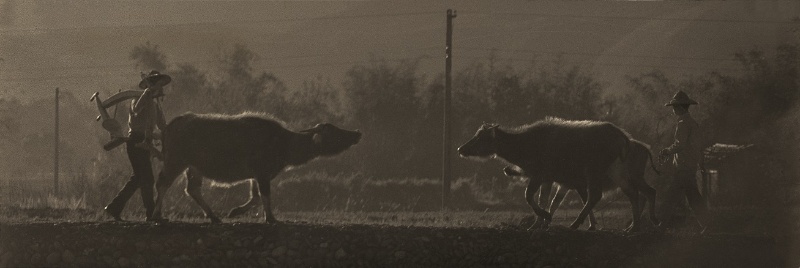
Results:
673 198
697 202
118 203
143 170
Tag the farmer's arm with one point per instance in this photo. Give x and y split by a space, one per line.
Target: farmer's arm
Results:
142 102
681 139
161 121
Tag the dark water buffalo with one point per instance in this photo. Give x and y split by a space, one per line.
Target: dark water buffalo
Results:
576 154
631 170
231 148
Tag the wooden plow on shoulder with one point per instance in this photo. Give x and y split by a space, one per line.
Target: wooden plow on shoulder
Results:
113 126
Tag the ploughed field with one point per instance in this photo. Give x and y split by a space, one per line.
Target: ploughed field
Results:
494 239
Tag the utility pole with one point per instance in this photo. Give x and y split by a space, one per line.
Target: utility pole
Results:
55 155
446 166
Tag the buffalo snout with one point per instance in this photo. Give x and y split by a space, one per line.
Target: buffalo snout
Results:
476 147
468 150
334 140
461 151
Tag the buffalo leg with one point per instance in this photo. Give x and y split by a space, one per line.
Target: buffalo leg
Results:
544 197
194 183
636 210
584 197
530 196
650 194
544 193
165 179
595 194
561 192
264 190
253 201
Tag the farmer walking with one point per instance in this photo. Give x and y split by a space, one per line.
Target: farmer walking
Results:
686 152
145 116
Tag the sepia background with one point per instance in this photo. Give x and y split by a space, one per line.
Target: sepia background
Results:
379 67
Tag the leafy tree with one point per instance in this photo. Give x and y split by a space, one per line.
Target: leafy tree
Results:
242 88
317 101
149 57
188 91
382 101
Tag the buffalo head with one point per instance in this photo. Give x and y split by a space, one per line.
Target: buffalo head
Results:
483 144
331 140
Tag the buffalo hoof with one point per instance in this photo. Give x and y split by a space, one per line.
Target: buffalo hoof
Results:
536 225
272 221
558 228
592 228
157 220
656 222
633 228
539 225
236 212
214 219
574 226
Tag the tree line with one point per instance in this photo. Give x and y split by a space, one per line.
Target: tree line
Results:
399 109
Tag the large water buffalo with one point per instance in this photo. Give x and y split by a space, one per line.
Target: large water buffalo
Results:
231 148
576 154
632 170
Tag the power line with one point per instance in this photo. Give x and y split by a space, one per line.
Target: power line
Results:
789 21
367 16
599 54
612 64
222 22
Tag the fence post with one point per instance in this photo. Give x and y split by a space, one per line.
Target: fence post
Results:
446 166
55 154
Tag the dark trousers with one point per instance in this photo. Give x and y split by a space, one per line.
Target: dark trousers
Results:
684 184
142 178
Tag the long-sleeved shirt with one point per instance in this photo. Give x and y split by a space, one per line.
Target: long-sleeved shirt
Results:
687 148
145 115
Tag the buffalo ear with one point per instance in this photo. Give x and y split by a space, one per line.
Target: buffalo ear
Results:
317 138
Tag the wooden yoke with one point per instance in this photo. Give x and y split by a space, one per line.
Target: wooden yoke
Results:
110 124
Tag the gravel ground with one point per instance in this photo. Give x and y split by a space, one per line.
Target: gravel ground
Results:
139 244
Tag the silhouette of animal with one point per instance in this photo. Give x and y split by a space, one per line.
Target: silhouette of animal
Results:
233 148
633 168
576 154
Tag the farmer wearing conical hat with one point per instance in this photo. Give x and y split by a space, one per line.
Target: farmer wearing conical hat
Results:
145 116
686 152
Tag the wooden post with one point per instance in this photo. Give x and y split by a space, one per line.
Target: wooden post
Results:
55 154
446 166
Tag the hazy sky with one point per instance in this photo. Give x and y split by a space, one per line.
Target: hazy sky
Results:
83 46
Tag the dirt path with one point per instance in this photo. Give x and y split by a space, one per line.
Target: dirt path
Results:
137 244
